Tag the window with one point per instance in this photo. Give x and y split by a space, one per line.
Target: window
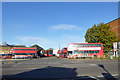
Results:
23 53
81 45
92 45
26 49
90 52
65 48
80 52
9 54
100 45
87 45
97 51
30 53
97 45
50 52
62 50
75 45
75 52
45 52
2 55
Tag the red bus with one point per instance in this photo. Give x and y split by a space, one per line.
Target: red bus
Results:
63 52
48 52
58 53
24 52
79 50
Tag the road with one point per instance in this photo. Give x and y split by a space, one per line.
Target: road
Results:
60 68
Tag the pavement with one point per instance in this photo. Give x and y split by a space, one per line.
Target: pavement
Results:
60 68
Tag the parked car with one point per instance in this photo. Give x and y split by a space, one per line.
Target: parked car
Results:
5 56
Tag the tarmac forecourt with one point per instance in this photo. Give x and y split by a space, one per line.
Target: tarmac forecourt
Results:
48 67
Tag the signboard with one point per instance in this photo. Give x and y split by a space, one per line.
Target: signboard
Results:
110 53
115 46
119 45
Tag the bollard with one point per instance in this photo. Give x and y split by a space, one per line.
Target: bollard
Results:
111 57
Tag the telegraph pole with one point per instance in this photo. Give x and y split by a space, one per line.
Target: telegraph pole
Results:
59 46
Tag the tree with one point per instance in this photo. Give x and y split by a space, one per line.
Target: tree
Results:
50 49
101 33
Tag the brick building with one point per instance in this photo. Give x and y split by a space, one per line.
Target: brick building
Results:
115 25
5 48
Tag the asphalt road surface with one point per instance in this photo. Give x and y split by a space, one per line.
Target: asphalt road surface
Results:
60 68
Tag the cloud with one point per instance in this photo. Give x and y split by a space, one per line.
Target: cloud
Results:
64 27
66 39
73 38
33 40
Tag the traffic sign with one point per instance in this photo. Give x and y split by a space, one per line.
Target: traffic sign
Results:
115 46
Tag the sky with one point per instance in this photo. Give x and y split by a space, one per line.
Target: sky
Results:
50 24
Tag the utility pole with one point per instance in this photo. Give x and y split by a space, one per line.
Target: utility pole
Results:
118 49
115 48
59 46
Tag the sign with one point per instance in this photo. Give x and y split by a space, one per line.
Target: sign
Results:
110 53
115 46
119 45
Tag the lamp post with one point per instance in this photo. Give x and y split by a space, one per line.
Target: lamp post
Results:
115 47
118 49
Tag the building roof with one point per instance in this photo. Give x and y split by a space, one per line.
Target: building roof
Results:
17 45
113 20
7 45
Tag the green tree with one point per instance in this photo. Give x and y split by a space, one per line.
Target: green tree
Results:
50 49
101 33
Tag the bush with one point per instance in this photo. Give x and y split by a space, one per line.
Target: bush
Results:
119 57
107 56
95 57
101 58
116 57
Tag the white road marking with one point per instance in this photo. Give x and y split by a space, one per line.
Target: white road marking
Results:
111 74
93 64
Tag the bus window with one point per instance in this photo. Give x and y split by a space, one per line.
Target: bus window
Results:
75 52
97 51
50 52
69 52
100 45
45 52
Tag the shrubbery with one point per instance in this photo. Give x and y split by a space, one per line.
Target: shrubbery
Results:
107 56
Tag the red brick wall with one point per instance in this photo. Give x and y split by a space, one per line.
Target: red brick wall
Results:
115 25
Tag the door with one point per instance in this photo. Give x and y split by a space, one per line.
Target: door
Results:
86 53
